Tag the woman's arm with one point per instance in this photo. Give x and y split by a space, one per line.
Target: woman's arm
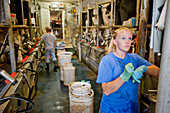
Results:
153 70
112 86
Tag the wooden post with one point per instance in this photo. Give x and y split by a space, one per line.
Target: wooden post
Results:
143 27
10 35
163 96
142 35
137 12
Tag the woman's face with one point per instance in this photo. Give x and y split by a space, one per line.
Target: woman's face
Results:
123 40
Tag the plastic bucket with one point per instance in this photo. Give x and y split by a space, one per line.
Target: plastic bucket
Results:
69 75
60 45
63 57
80 88
81 102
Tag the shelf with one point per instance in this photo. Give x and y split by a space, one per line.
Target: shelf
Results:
104 27
2 25
118 26
35 27
84 11
92 27
91 8
20 26
104 2
84 27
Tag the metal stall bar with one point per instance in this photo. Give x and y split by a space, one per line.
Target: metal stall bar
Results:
10 35
80 24
163 98
97 44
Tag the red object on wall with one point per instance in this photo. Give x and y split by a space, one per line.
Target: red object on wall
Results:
12 15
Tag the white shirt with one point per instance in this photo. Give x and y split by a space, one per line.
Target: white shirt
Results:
49 39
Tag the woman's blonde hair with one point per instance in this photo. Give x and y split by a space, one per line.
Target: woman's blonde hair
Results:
120 29
111 45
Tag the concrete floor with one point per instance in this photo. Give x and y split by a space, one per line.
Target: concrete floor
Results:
53 96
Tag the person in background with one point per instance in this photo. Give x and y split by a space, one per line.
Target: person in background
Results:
119 73
50 44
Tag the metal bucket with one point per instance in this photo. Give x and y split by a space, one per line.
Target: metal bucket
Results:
81 102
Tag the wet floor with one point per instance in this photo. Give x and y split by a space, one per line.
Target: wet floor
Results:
53 96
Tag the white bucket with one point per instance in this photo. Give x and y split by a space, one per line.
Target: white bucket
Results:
60 45
61 73
79 102
69 74
80 88
63 57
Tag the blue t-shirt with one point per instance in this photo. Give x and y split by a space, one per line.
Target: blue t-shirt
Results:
125 99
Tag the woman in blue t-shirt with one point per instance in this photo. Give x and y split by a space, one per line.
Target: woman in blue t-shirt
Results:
119 73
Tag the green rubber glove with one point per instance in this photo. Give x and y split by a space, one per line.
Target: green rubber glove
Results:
138 73
128 71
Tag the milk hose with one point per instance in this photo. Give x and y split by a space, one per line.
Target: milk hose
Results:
15 96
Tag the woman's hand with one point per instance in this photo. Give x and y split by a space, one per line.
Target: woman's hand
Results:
128 71
138 73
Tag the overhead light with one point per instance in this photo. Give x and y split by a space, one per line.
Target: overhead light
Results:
54 6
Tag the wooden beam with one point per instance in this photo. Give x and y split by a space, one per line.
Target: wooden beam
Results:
142 36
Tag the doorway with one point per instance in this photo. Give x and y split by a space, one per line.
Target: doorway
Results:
56 21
